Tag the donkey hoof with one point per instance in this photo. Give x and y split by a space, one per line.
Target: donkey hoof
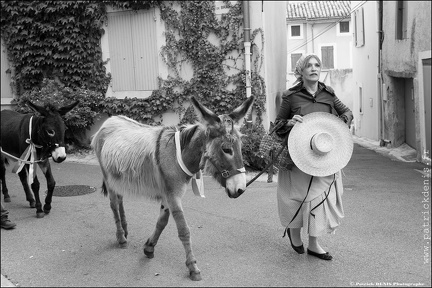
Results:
123 245
7 199
40 214
149 254
47 209
195 276
33 204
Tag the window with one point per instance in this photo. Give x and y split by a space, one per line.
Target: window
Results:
359 27
294 59
133 51
327 57
344 27
295 31
401 20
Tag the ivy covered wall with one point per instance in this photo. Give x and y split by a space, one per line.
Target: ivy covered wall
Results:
61 40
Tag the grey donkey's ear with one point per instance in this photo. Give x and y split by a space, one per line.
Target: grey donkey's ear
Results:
240 112
204 114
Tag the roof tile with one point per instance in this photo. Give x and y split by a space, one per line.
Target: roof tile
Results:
318 9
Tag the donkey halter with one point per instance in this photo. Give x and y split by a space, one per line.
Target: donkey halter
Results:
225 173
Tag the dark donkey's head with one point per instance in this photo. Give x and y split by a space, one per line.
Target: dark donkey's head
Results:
49 130
223 154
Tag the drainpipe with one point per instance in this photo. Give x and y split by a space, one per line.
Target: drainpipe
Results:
313 48
380 76
247 56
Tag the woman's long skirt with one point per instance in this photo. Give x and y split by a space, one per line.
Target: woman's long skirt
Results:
322 209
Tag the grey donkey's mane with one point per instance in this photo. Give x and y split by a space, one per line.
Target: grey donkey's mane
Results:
187 132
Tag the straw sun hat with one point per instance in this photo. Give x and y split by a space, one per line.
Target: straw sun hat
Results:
321 145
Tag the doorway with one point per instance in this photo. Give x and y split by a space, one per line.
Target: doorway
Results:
427 101
410 135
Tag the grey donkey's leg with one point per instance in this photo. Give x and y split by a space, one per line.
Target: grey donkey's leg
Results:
122 215
116 202
184 235
160 225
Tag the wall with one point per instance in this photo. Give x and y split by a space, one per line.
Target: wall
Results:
341 80
400 62
342 45
270 16
275 57
365 74
5 70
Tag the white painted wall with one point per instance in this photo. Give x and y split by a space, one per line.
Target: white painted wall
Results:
365 73
315 36
6 72
275 57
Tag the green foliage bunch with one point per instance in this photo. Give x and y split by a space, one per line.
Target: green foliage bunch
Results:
134 4
54 39
79 119
138 109
253 135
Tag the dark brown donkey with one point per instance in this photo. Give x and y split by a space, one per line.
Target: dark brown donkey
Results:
33 139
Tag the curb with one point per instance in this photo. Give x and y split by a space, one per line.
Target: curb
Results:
402 153
6 282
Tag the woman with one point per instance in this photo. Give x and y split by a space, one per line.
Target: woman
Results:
298 193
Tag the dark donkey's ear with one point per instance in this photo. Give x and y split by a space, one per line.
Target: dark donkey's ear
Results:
240 112
43 111
204 114
36 108
65 109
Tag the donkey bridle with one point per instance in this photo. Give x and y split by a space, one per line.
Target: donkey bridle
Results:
226 173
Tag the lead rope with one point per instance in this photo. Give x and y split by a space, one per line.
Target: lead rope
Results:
298 210
325 198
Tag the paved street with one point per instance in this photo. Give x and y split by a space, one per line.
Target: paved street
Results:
237 242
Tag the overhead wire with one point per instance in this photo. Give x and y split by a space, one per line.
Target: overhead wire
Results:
329 27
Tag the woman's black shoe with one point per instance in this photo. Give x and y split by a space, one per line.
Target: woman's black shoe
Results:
323 256
298 249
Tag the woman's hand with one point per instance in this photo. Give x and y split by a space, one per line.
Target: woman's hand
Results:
294 120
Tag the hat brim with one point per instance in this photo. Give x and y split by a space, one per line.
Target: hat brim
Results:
299 144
